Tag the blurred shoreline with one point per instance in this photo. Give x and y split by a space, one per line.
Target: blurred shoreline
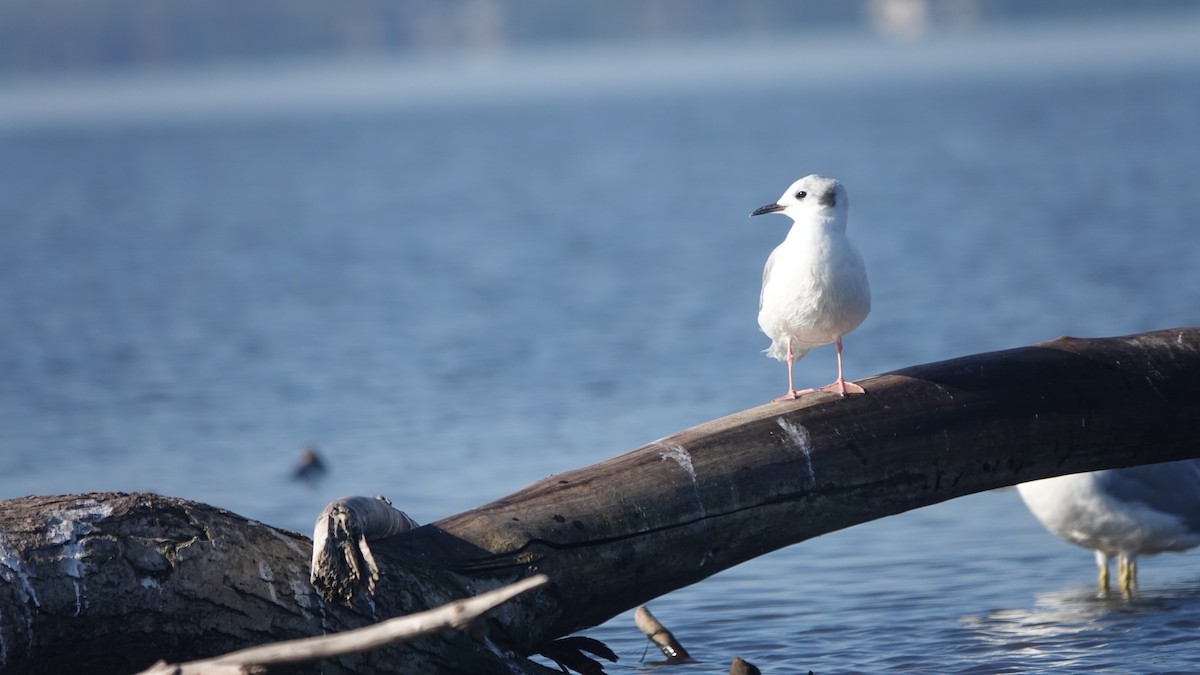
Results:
44 38
316 86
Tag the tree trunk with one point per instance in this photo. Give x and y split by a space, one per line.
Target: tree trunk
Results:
111 583
89 578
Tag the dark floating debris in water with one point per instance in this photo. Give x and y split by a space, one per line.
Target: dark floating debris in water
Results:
740 667
311 467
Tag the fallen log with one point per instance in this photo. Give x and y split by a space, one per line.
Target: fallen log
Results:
617 534
111 583
145 578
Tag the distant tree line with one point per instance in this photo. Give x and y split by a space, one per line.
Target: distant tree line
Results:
39 36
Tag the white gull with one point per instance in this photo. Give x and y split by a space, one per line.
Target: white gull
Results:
815 286
1122 513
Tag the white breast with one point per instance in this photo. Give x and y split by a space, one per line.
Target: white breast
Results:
815 290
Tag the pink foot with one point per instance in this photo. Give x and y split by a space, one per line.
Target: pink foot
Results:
794 394
843 387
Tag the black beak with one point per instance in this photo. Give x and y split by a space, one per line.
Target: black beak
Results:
769 208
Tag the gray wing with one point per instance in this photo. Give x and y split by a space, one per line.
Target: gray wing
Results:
1172 488
766 277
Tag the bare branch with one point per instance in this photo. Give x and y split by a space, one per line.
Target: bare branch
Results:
457 615
659 635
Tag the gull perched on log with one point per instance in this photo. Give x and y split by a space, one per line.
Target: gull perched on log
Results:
814 288
1122 513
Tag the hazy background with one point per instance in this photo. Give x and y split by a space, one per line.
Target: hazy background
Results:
459 246
39 38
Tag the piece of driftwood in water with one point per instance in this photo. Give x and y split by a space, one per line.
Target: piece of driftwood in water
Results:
671 648
457 615
662 638
112 583
742 667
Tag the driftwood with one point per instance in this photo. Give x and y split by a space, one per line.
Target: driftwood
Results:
671 648
662 638
111 583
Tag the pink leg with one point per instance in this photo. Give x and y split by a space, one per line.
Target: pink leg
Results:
792 393
840 385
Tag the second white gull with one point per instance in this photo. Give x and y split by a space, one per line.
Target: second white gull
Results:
1122 513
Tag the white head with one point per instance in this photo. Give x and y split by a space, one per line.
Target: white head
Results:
812 198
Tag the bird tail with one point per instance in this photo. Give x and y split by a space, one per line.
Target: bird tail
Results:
778 351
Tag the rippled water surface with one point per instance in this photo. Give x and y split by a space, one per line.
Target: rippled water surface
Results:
454 299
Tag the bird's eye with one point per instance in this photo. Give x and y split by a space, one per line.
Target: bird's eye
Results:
801 194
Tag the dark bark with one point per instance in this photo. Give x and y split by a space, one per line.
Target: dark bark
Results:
110 583
617 534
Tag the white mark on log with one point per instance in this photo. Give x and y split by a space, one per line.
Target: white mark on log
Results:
66 529
150 582
67 526
301 590
78 597
12 571
300 593
72 566
682 458
799 437
265 573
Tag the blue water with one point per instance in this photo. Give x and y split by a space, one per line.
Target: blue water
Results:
454 296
